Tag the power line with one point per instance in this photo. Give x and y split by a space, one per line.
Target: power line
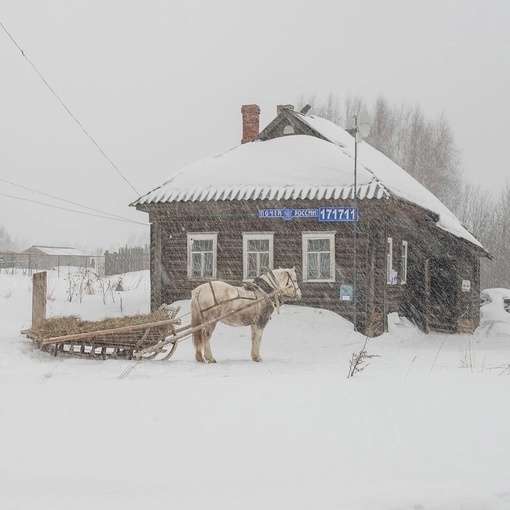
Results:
74 211
63 200
69 111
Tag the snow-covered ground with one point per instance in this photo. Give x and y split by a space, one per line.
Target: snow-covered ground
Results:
424 426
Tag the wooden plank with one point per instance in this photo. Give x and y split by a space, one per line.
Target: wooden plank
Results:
39 287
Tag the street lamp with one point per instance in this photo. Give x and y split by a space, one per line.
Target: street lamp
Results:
361 130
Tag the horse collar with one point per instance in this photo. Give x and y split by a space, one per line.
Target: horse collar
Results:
268 288
262 284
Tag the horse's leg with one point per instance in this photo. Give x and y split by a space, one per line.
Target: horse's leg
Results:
256 338
198 341
197 319
207 343
198 354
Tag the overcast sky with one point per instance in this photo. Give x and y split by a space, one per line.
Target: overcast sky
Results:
160 84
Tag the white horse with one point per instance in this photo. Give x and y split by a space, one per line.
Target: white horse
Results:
250 305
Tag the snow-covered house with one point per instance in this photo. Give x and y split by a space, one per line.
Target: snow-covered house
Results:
285 197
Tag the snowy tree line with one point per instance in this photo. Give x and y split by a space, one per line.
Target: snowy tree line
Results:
426 149
6 243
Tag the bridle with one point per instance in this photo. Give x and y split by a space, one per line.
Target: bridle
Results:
293 285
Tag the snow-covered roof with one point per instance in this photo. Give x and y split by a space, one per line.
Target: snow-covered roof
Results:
396 179
56 250
299 167
291 167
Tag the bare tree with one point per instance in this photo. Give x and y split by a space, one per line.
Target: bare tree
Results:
477 211
424 148
499 242
5 240
488 218
339 110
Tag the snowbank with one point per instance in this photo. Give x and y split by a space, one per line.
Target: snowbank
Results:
423 426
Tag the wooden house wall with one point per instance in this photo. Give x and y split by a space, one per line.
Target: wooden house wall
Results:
379 219
171 223
428 244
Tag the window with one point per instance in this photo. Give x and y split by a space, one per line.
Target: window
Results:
319 257
257 254
403 263
389 260
202 255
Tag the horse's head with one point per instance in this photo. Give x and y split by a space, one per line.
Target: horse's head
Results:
287 281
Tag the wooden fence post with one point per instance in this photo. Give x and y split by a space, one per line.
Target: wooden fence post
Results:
39 287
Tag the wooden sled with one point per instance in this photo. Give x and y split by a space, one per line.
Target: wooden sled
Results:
123 342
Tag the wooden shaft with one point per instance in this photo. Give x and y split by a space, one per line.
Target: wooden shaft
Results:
123 329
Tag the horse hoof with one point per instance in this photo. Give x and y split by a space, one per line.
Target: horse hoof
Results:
211 361
257 359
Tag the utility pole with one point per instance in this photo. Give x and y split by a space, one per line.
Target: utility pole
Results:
361 130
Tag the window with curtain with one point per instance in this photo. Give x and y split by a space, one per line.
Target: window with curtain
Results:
257 254
202 255
319 257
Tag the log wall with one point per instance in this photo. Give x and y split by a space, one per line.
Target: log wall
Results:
379 219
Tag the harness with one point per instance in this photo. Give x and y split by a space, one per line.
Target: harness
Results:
272 285
217 303
267 288
259 284
263 285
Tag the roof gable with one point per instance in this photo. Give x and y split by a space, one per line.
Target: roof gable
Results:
287 117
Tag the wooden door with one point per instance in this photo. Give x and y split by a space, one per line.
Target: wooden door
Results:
442 309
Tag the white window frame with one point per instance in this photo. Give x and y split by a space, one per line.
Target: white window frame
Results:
307 236
403 263
202 236
389 259
262 236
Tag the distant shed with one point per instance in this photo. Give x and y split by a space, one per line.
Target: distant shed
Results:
285 197
7 259
49 257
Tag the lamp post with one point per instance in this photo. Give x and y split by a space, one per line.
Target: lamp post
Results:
361 130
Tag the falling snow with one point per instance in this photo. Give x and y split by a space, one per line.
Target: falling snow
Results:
423 426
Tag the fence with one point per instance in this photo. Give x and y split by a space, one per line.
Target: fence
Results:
29 262
127 259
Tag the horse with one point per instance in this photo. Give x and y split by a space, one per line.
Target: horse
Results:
250 305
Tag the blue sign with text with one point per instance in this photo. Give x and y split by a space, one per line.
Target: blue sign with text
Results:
321 213
338 214
288 213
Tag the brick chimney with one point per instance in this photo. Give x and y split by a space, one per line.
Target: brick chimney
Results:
251 114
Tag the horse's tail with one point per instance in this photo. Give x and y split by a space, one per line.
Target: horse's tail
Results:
197 318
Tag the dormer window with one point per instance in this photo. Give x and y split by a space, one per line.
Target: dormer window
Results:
288 130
